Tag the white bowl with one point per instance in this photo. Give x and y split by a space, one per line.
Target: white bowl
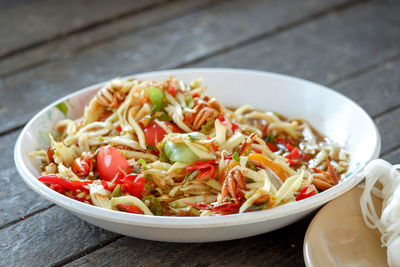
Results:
331 113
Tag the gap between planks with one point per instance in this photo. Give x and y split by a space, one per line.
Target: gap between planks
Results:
86 251
276 31
85 28
109 38
323 12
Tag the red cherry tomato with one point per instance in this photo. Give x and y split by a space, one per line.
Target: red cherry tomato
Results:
82 166
109 162
134 185
154 133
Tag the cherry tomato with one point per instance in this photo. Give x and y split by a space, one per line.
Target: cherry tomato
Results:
154 133
109 162
134 185
82 166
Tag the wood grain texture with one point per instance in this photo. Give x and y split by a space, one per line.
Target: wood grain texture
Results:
327 49
278 248
165 46
65 46
45 19
47 238
355 49
389 125
393 157
376 91
17 200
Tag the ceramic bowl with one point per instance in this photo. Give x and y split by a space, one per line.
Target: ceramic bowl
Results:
333 114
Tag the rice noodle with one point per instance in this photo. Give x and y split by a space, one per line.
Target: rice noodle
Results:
387 223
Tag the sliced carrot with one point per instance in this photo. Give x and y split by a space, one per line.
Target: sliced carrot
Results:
270 164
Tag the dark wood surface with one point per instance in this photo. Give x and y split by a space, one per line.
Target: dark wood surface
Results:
51 48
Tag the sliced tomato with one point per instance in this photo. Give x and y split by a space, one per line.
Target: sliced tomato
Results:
109 162
82 166
154 133
134 184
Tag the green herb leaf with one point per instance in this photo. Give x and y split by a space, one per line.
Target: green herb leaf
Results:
116 192
153 148
249 180
143 163
156 96
148 188
270 138
252 166
62 107
189 102
164 117
193 137
236 157
196 83
155 205
207 127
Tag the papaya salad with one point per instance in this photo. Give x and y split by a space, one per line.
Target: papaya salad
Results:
168 148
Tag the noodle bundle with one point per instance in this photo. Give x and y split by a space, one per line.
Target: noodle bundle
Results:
388 222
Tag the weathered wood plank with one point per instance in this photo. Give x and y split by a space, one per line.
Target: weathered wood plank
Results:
47 238
376 91
389 125
168 45
326 49
33 22
393 157
63 47
17 200
279 248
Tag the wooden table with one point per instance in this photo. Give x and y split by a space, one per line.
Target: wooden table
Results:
51 48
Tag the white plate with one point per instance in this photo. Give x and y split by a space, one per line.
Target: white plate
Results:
333 114
338 236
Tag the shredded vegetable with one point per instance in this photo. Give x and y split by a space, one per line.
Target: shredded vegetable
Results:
166 148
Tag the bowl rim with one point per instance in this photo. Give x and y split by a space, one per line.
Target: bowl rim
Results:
191 222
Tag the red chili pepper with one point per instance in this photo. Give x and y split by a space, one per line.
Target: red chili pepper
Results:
70 185
117 179
265 130
294 154
50 154
205 167
272 147
223 120
171 90
234 127
118 128
212 161
58 188
195 95
280 141
213 146
303 193
104 184
130 209
289 147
